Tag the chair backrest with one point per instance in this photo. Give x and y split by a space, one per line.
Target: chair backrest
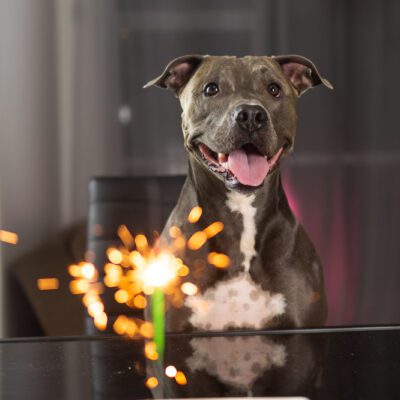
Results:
143 204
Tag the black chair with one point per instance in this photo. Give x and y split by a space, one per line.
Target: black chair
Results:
143 204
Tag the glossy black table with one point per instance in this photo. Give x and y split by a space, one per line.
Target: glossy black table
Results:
341 363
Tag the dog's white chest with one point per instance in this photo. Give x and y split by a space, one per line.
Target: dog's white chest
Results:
238 302
241 204
237 361
235 303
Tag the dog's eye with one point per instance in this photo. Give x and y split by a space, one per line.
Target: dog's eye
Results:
211 89
274 89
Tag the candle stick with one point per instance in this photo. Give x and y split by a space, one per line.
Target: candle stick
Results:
158 317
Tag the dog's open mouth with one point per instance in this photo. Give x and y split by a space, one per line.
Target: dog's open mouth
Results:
246 166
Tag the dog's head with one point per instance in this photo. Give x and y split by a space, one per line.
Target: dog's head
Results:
239 114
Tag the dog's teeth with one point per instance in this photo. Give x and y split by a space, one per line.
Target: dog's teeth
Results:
222 158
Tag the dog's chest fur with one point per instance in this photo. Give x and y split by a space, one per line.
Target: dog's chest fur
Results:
238 302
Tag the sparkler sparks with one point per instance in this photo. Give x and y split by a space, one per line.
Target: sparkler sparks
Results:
219 260
195 214
137 269
198 239
150 351
175 232
48 284
180 378
8 237
189 288
114 255
213 229
171 371
152 382
100 321
86 283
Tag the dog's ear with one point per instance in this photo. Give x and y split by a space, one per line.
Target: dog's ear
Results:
177 73
301 72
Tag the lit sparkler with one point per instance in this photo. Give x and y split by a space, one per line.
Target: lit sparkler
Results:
137 269
157 271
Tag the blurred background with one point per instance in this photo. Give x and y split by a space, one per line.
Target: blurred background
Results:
72 107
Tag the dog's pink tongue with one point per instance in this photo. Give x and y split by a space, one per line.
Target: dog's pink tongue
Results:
250 169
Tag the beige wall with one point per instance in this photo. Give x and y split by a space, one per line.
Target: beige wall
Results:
52 116
28 135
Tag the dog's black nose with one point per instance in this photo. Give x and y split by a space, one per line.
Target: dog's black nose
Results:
251 118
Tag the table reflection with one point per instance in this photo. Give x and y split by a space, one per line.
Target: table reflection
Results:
317 364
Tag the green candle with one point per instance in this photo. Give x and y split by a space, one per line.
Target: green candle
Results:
158 316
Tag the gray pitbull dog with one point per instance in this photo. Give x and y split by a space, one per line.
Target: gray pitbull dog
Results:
239 123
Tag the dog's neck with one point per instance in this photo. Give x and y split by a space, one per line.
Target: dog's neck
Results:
212 194
245 215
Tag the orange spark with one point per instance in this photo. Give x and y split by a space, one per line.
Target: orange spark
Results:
125 326
114 255
189 288
219 260
141 243
89 298
180 243
121 324
79 286
125 236
121 296
83 270
197 240
8 237
147 289
183 270
131 328
100 321
195 214
214 229
95 309
150 351
180 378
48 283
139 301
88 271
152 382
147 330
113 275
137 259
74 270
175 232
